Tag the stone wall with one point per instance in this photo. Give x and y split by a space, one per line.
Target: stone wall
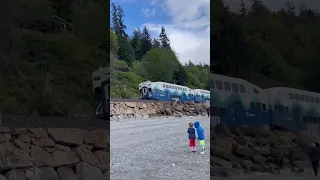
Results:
145 110
260 149
53 153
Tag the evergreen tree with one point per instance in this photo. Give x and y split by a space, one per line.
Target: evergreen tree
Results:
122 26
155 43
145 41
164 40
243 9
115 20
136 43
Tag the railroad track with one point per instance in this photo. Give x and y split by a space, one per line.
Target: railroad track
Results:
134 100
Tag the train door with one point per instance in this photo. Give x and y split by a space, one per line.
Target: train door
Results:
236 114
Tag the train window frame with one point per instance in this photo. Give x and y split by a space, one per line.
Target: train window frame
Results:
226 86
314 120
317 100
296 97
219 85
309 119
301 97
242 88
311 99
264 107
286 109
307 98
222 111
291 96
255 90
234 87
252 105
257 106
305 119
281 108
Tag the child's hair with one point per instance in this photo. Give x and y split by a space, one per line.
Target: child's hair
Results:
190 124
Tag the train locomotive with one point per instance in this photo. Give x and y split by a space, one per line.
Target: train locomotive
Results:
238 102
167 92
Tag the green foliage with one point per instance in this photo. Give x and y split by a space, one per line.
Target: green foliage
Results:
45 69
268 48
152 60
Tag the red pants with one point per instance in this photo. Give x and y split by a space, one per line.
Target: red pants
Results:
192 142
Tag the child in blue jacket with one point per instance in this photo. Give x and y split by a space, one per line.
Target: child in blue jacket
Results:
201 137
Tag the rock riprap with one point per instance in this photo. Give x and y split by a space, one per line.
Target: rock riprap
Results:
54 153
235 150
119 110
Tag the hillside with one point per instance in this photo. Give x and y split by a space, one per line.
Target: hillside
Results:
267 48
140 57
46 67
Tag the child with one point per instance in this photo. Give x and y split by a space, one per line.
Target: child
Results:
200 133
192 138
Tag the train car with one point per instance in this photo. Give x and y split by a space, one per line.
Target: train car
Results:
165 91
237 102
295 109
201 96
101 89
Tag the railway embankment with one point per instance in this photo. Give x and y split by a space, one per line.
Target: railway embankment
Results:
239 150
53 153
144 109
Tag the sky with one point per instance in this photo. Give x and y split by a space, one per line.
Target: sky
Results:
187 24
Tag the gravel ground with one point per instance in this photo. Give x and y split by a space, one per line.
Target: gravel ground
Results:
157 149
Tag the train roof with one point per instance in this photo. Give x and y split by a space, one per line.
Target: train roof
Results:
292 90
233 79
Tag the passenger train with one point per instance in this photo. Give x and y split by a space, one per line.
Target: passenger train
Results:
167 92
238 102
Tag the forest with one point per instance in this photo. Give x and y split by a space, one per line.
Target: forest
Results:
48 51
140 57
267 48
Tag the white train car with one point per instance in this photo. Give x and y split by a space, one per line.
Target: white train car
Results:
237 102
165 91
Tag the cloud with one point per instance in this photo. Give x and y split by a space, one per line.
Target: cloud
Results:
188 30
149 12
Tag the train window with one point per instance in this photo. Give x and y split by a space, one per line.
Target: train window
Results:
307 98
286 109
296 96
219 85
255 91
97 78
312 99
235 87
227 86
309 119
291 96
258 106
305 119
317 100
276 108
214 111
281 108
222 111
314 120
301 97
252 105
242 88
264 107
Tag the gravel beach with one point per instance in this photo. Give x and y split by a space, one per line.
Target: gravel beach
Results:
157 149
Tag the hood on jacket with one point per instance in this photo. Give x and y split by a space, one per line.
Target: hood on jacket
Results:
196 124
